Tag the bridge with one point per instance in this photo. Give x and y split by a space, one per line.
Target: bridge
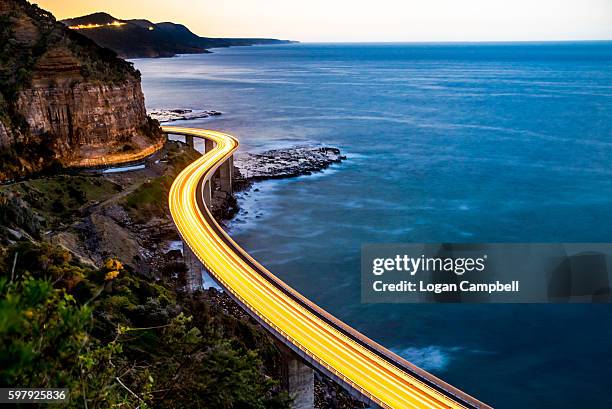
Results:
365 368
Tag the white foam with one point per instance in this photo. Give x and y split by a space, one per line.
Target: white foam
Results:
429 358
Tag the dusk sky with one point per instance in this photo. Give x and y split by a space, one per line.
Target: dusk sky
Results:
381 20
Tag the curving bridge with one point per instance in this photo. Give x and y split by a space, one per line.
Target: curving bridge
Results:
326 343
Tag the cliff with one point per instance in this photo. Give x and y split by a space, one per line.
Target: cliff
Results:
64 101
142 38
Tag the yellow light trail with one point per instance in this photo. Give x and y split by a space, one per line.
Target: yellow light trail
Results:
91 25
378 374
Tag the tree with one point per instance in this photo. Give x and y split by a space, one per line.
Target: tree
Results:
46 344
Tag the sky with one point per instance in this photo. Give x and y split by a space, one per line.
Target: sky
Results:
366 21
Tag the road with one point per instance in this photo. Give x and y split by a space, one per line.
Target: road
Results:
330 345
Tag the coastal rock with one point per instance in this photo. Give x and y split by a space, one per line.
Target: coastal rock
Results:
224 206
272 164
329 394
17 214
285 163
171 115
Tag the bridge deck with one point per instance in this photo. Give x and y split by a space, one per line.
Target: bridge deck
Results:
333 347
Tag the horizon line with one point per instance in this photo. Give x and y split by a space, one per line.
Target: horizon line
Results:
431 42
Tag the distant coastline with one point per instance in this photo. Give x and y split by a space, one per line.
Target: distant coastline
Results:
140 38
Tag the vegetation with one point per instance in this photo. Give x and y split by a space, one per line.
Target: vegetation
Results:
150 199
47 203
115 339
17 156
151 128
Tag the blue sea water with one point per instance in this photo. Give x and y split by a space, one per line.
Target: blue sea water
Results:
445 142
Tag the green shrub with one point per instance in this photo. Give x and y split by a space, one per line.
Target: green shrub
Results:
171 351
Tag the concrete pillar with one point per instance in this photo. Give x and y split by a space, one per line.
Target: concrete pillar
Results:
297 379
189 141
208 145
225 175
194 269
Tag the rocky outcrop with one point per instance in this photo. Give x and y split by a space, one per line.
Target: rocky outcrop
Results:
5 136
178 114
329 394
285 163
64 99
85 119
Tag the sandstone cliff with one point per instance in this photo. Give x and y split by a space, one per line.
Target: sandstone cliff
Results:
64 101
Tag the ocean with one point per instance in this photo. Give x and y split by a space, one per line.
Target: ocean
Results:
444 143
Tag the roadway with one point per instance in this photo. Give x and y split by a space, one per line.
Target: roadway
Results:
324 341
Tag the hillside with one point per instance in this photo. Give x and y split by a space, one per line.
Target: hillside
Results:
142 38
64 100
92 298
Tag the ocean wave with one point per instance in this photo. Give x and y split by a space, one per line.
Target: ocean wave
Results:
429 358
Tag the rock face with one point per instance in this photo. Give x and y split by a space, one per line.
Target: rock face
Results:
86 120
5 136
63 99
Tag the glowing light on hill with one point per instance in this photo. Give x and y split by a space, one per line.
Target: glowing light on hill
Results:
88 26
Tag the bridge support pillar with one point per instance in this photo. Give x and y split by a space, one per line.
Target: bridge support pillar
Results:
189 141
225 175
297 379
208 145
194 269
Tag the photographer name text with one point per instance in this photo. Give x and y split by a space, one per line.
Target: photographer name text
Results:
454 266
